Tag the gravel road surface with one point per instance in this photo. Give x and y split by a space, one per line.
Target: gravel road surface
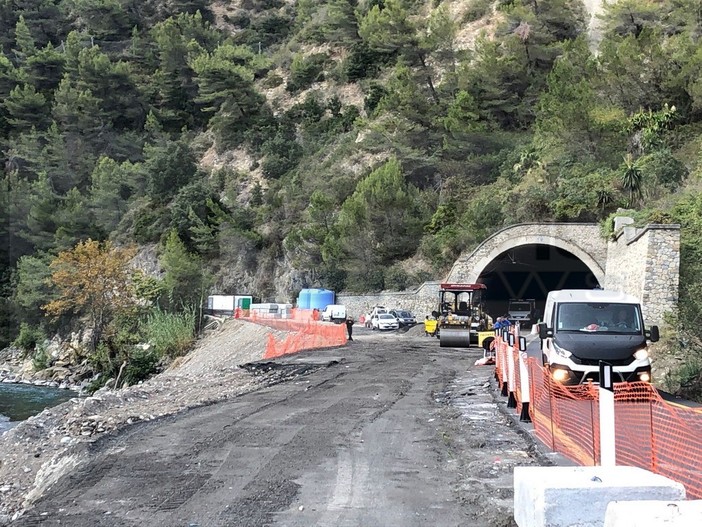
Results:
390 430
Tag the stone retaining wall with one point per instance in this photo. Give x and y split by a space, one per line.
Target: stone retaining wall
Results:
645 262
420 302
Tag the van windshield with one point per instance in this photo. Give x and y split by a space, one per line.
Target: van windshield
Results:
599 317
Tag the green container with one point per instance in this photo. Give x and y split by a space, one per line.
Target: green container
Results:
245 303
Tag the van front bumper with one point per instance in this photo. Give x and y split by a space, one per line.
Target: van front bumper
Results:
565 375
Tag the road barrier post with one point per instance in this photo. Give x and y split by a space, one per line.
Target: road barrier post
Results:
511 384
524 386
607 431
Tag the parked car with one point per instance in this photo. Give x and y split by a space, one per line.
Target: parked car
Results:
384 321
405 318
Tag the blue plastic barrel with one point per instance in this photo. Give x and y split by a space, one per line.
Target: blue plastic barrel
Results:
321 298
303 299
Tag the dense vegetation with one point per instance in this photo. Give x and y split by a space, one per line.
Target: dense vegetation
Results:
357 144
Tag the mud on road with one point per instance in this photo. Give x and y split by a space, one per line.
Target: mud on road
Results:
390 430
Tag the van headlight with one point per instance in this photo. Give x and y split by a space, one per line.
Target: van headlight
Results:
641 354
561 351
559 375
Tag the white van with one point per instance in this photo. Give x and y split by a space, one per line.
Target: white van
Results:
583 327
334 313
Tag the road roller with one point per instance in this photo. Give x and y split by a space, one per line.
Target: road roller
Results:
460 315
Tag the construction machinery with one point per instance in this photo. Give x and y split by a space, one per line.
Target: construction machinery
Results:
461 317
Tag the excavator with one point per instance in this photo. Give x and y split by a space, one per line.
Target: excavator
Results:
462 322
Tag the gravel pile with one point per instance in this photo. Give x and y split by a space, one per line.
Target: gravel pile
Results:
38 451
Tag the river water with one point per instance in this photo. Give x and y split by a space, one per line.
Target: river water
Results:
20 401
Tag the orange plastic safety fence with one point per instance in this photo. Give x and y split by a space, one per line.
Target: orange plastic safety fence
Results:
650 432
659 436
304 334
565 418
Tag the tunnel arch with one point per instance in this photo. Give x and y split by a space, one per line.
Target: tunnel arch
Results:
505 246
576 256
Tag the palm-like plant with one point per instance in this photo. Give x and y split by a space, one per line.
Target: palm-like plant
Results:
632 178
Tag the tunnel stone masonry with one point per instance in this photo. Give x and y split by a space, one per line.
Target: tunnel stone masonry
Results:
643 262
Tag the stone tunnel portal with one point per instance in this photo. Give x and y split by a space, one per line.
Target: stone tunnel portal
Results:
531 271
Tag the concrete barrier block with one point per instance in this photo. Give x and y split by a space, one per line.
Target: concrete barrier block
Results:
647 513
578 496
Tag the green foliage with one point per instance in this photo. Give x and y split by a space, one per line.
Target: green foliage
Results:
396 278
225 88
584 198
170 334
381 221
28 338
306 70
40 359
185 280
32 287
477 10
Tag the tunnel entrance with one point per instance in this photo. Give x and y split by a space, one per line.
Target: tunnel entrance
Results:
531 271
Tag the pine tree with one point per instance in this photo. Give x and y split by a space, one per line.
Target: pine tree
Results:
25 47
112 185
225 87
26 109
45 69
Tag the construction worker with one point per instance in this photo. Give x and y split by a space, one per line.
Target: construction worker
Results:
349 326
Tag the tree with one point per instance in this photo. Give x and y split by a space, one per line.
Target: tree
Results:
381 221
185 281
44 69
573 123
93 279
26 109
33 284
9 77
24 42
225 86
177 39
112 184
169 166
392 29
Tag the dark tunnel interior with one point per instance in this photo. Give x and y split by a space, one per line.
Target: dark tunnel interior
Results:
530 272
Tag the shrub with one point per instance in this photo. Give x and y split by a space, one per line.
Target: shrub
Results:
477 10
396 278
142 364
306 70
272 80
28 337
170 334
41 359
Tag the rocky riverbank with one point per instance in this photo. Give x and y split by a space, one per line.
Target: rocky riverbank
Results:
38 451
66 370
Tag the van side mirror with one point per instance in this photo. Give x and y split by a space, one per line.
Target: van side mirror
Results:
522 344
544 331
652 334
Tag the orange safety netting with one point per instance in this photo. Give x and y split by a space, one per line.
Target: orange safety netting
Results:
305 334
650 433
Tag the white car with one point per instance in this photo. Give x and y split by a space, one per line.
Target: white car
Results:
384 321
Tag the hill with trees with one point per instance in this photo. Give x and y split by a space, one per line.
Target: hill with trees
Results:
270 145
